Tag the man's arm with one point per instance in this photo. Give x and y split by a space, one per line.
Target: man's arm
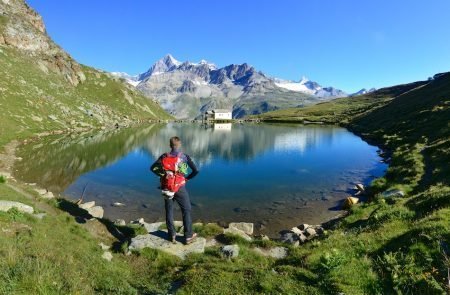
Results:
156 168
193 168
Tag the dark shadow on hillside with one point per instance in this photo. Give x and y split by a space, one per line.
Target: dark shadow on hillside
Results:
121 233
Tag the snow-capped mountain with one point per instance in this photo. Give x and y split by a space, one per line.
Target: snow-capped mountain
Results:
188 89
133 80
307 86
363 91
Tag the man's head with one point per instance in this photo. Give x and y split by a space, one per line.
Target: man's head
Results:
175 142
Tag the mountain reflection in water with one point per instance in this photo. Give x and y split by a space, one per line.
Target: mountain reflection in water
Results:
273 175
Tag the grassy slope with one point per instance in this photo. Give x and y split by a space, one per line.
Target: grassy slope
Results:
29 95
403 243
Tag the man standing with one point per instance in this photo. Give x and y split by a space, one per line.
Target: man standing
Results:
181 196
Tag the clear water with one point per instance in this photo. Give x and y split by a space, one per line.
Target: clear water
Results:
276 176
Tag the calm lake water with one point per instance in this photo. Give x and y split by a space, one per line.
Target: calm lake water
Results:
276 176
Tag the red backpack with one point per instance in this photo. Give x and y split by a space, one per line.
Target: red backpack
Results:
173 179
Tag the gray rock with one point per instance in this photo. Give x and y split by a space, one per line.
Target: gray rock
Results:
393 193
6 205
120 222
158 241
277 252
289 238
96 211
237 232
310 232
302 238
319 230
48 196
246 227
296 230
360 187
303 226
153 227
230 251
103 246
211 243
87 205
107 256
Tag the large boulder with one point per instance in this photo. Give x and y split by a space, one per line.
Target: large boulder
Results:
6 205
246 227
87 205
96 211
159 241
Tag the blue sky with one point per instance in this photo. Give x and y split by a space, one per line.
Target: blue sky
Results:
348 44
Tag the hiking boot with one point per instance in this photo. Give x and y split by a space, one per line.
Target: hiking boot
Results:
191 239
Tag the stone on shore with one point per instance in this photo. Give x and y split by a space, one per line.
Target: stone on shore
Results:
6 205
159 240
237 232
360 187
349 202
153 227
310 232
230 251
276 252
48 196
96 211
289 238
246 227
87 205
303 226
120 222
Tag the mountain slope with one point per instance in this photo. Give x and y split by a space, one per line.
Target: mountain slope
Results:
188 89
403 242
43 88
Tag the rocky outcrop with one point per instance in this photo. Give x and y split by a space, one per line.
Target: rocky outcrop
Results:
159 240
237 232
300 234
7 205
96 211
22 28
246 227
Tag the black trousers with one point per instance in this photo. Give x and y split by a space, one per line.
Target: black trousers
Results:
182 198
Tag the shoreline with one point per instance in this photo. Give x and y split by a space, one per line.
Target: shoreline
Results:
9 158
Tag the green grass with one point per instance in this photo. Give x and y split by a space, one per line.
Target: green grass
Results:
33 100
401 245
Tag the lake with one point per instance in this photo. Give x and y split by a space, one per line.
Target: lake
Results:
274 175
